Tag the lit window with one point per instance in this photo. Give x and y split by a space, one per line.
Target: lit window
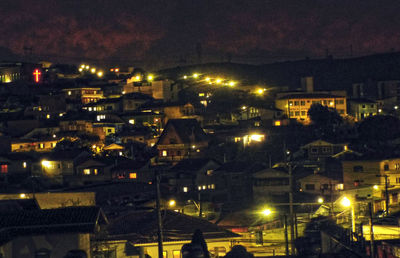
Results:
212 186
164 153
132 175
209 172
165 254
95 171
278 123
4 169
237 139
176 254
120 153
24 164
69 93
48 116
86 171
201 94
132 121
41 146
204 187
339 187
199 187
90 108
185 189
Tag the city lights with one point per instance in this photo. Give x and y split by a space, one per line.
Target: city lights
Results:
195 75
257 137
93 70
100 74
150 77
320 200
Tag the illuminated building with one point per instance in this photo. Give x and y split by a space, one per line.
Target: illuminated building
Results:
297 105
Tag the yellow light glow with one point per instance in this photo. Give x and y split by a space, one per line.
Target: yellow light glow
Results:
116 70
232 83
87 67
185 77
208 79
376 187
48 116
195 75
45 163
93 70
171 203
346 202
83 66
80 69
266 212
320 200
257 137
244 107
22 196
218 81
260 91
277 123
100 74
150 77
137 78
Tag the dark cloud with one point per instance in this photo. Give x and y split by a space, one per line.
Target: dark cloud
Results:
159 29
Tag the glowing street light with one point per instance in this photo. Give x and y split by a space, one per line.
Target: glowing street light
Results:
45 163
185 77
80 69
376 187
320 200
266 212
260 91
195 75
87 67
172 203
100 74
232 83
22 196
93 70
218 81
346 202
150 77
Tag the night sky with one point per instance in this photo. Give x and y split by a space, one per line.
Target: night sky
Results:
171 32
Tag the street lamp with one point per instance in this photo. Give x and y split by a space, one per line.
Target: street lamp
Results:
266 212
346 202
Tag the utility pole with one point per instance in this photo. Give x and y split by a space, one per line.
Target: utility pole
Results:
386 193
291 209
159 231
286 235
371 231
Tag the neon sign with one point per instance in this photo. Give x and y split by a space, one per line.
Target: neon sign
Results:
37 74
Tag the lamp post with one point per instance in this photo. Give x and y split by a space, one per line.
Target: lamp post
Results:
346 202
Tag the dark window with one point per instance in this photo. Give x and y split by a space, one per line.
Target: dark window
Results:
386 167
358 169
310 187
314 150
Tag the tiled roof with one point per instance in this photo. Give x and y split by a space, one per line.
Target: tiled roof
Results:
186 130
63 220
192 164
141 227
310 96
